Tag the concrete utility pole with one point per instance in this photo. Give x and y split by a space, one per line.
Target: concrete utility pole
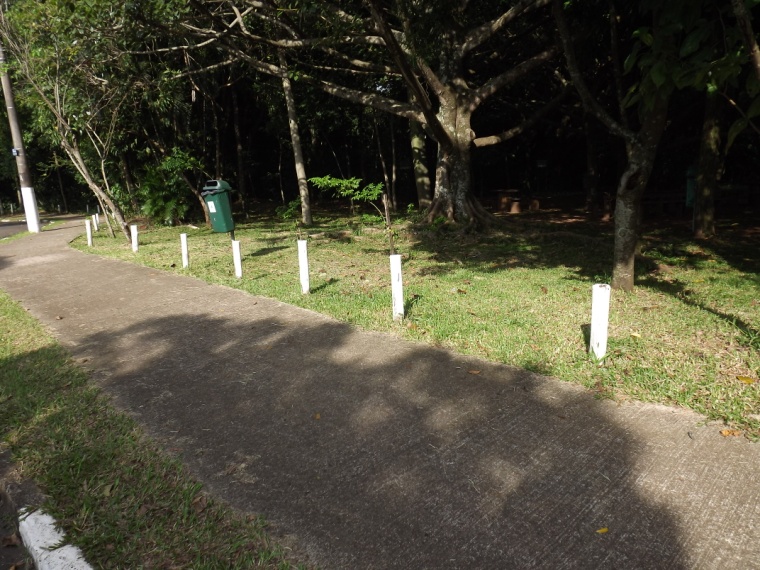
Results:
27 192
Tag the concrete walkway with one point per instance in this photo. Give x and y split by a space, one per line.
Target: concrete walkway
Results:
366 451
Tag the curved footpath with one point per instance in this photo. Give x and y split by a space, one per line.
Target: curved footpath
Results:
366 451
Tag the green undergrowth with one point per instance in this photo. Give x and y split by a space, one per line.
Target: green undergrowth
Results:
117 496
688 335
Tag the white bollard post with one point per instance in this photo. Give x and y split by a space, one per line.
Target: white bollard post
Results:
11 208
88 225
600 313
397 288
133 229
94 222
303 265
237 259
97 216
185 254
88 209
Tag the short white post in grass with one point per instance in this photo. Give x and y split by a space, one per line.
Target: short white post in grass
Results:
133 229
88 225
185 255
97 216
11 208
600 313
88 208
303 266
397 288
237 259
94 223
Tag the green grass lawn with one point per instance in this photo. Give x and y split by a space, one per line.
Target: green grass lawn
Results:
689 335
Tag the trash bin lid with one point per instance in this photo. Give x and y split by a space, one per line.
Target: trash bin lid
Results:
217 186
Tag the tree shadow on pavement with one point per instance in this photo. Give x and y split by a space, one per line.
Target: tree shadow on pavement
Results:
366 452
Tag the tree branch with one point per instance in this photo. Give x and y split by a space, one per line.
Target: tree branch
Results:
405 110
525 125
440 134
482 33
589 102
748 35
477 96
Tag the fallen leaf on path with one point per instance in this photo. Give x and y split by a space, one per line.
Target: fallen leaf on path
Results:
636 335
746 379
730 432
200 503
603 530
474 371
58 318
107 490
11 540
317 416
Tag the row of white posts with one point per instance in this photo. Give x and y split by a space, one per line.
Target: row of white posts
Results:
600 293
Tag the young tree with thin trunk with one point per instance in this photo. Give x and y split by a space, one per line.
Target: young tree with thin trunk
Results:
708 171
419 164
295 139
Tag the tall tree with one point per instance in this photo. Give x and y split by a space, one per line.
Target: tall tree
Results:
669 51
452 57
74 96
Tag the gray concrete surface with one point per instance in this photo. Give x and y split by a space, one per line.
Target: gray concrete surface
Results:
366 451
10 228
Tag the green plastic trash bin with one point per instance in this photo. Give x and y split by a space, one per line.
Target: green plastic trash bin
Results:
216 193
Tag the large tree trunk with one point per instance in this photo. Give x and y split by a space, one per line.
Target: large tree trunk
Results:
709 169
452 197
295 137
630 190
